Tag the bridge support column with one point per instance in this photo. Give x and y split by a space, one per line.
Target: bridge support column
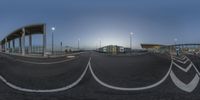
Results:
44 40
9 46
30 44
4 47
23 41
20 45
13 45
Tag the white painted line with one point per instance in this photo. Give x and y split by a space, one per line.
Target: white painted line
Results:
183 69
182 58
129 89
185 87
46 90
70 56
194 66
44 63
183 62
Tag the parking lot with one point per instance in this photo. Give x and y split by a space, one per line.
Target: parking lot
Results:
96 76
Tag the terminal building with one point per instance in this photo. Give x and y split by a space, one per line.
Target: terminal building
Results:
152 47
185 48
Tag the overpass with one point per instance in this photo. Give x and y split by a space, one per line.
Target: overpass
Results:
20 34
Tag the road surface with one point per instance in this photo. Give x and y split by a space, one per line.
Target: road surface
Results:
148 76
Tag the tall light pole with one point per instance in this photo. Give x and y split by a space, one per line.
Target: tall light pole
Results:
53 29
99 43
131 36
78 44
61 46
175 41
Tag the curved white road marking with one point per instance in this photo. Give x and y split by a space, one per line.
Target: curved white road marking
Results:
194 66
129 89
184 69
183 62
185 87
182 58
42 63
46 90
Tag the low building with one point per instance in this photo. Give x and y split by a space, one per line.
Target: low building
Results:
69 49
113 49
121 49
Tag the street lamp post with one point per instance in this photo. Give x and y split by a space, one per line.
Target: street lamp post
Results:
52 49
61 46
131 36
78 44
175 41
100 43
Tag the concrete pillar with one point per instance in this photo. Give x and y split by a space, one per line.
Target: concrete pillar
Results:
30 44
20 45
13 45
9 46
6 45
23 41
44 40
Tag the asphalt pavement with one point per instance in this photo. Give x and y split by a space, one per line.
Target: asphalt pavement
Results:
129 72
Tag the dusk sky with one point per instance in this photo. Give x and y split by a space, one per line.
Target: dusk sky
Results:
111 21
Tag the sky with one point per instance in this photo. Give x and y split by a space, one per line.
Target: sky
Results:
108 21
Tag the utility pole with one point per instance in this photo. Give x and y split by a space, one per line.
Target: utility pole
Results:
78 44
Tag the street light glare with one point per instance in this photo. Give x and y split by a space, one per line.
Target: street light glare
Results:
131 33
53 28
